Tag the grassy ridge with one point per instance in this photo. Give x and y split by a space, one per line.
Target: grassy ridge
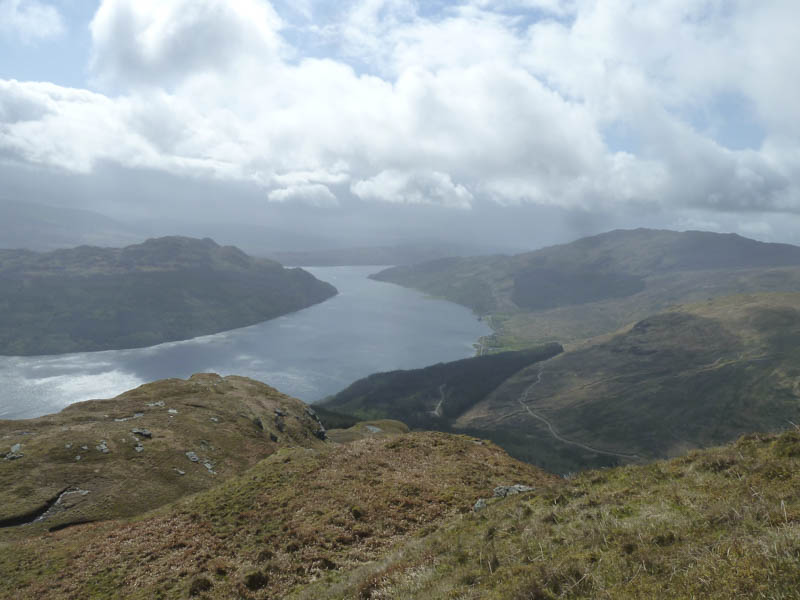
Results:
391 518
299 516
91 449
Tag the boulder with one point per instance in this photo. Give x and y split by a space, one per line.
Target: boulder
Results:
501 491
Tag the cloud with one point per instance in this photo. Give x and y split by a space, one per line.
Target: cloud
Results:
513 102
160 42
30 20
413 188
313 194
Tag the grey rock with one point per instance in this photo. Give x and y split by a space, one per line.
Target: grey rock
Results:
210 466
214 420
321 433
102 447
172 411
192 457
68 446
178 471
138 415
14 455
145 433
479 505
501 491
139 448
310 412
16 448
159 403
279 413
279 423
273 437
84 447
259 423
373 429
78 457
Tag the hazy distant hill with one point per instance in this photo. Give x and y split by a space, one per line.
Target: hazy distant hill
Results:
39 227
90 298
405 254
691 377
597 284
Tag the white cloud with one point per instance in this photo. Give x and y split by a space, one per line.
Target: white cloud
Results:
160 42
414 188
313 194
30 20
480 101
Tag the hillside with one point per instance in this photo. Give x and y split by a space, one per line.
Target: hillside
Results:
694 376
398 516
299 516
40 227
166 289
105 459
433 397
721 523
595 285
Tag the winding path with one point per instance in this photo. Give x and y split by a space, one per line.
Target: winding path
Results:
438 410
525 396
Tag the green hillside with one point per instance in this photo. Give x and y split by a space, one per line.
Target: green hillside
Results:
595 285
165 289
433 397
694 376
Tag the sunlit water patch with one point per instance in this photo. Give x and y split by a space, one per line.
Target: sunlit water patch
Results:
369 327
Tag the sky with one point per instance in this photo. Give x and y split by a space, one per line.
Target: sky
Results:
508 122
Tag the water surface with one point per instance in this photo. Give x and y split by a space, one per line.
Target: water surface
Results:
370 326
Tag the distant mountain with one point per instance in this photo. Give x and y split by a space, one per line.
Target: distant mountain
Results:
597 284
38 227
691 377
173 288
405 254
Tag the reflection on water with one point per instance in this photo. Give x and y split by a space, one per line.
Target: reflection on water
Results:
369 327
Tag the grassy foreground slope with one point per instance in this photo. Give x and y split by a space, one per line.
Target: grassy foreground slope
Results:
165 289
106 459
721 523
392 517
596 285
299 516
